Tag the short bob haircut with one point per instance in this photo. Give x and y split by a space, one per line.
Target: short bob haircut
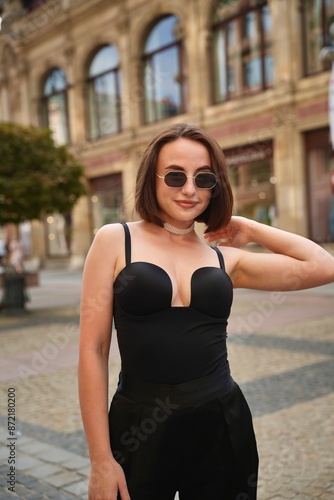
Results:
218 213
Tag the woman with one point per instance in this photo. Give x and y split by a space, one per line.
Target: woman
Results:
178 421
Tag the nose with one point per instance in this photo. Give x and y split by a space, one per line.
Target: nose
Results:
189 187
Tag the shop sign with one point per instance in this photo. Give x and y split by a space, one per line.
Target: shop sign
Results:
247 154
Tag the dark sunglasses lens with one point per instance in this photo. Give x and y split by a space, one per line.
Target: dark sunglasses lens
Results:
205 181
175 179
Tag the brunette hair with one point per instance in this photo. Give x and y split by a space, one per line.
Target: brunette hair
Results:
219 211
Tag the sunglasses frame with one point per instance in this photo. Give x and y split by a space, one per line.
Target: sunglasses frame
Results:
187 177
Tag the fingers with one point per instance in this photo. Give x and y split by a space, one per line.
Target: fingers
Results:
214 235
108 481
124 494
221 235
123 489
225 243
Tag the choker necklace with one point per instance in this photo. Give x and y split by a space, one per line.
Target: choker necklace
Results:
176 230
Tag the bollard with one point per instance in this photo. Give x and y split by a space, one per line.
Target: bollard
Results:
14 293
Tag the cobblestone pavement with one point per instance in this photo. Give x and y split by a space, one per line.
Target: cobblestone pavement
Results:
281 348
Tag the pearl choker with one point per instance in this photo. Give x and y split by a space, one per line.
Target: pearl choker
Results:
177 230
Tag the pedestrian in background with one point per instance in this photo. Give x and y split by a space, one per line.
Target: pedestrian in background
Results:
178 421
16 255
3 253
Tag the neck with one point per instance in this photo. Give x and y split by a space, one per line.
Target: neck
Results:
177 230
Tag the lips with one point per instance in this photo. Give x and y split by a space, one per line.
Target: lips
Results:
186 204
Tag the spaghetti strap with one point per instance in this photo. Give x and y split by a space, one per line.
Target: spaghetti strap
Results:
127 243
220 258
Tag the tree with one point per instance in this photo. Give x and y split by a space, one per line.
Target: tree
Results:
37 177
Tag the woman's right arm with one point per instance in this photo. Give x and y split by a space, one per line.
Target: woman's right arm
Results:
107 477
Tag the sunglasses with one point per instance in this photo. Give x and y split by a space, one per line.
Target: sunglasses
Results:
203 180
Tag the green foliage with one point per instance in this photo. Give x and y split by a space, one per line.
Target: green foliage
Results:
37 177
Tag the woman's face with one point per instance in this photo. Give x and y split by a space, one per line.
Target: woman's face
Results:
180 206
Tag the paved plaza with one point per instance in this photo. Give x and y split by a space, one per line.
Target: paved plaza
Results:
281 349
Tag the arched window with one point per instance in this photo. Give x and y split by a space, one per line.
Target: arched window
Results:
164 71
54 106
104 99
242 51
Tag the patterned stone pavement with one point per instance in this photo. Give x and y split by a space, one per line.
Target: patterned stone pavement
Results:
281 348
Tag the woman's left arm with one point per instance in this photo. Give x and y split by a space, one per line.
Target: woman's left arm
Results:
294 264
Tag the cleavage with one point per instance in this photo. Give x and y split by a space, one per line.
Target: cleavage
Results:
157 281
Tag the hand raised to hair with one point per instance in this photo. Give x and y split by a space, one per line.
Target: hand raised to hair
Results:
235 234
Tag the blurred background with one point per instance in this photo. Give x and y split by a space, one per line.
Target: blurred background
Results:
104 76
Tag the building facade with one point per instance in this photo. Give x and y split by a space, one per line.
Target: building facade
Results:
106 75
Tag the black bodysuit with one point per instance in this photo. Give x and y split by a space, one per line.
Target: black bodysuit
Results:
178 421
165 344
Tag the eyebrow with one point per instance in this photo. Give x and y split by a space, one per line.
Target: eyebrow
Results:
177 167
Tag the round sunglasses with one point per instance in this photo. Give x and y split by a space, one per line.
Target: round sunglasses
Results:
203 180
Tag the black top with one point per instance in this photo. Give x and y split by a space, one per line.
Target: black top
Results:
165 344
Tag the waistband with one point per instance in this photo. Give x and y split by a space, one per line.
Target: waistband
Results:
202 389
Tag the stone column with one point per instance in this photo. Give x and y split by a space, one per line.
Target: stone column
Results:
193 80
199 49
291 178
82 233
129 84
71 93
288 145
81 237
38 247
24 83
4 108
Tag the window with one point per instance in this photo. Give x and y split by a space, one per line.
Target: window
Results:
104 100
253 181
59 230
54 106
107 200
163 71
31 5
320 185
317 16
55 117
242 51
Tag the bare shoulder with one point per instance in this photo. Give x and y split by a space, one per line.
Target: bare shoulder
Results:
109 233
105 256
108 243
231 255
139 225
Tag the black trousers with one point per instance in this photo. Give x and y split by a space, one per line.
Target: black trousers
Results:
199 443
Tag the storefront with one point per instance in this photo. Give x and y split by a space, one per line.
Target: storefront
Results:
320 185
106 200
253 181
